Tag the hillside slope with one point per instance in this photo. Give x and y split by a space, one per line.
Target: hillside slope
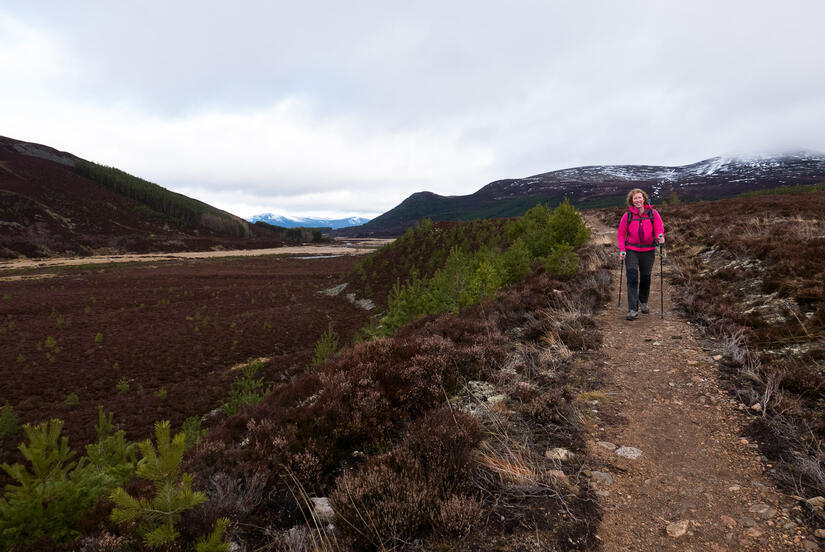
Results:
52 202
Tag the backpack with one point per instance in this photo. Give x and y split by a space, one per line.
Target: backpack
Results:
631 217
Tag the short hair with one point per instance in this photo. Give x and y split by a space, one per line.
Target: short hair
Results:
635 191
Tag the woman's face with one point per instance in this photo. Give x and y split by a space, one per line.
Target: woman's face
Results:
638 200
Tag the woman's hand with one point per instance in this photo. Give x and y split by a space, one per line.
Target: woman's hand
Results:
622 254
661 238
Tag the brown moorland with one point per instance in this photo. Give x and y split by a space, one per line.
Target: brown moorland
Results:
512 392
173 326
435 438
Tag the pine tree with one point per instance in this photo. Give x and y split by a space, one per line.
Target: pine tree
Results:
48 499
173 490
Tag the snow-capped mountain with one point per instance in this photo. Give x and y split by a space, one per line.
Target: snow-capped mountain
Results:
307 222
708 179
605 185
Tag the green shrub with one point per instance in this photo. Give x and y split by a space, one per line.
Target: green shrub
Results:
112 455
122 385
214 542
562 261
158 516
325 347
532 227
9 424
72 399
566 226
484 282
48 500
193 434
247 390
515 262
468 277
99 338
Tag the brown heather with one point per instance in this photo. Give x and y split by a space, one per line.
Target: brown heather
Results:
384 429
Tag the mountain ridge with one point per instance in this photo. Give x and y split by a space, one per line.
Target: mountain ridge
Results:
287 221
604 185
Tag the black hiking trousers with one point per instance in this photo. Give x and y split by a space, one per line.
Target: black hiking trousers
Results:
639 265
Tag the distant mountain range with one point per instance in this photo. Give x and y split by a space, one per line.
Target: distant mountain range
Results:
307 222
602 186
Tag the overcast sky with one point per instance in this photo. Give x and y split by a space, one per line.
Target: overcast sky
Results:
332 108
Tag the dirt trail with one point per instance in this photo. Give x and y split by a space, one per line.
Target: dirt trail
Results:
696 476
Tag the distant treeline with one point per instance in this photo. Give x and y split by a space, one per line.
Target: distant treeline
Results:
297 234
797 189
185 212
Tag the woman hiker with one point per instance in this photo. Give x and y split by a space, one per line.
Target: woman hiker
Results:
640 230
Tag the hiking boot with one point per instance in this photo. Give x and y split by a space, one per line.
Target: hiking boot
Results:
644 308
632 315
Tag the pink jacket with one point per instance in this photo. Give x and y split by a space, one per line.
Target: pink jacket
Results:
629 236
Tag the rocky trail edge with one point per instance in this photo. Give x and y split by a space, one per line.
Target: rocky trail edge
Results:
669 460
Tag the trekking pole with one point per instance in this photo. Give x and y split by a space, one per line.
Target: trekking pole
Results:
662 278
621 273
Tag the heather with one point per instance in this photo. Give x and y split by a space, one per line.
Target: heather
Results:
435 433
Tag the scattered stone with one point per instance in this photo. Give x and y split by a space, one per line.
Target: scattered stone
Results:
816 502
607 445
333 291
717 357
629 452
790 525
496 399
727 521
602 493
762 510
810 546
676 337
557 474
819 533
602 477
678 528
756 407
560 454
322 510
734 488
748 522
754 532
743 441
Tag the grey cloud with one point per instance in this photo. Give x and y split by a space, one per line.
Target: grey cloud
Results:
539 85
